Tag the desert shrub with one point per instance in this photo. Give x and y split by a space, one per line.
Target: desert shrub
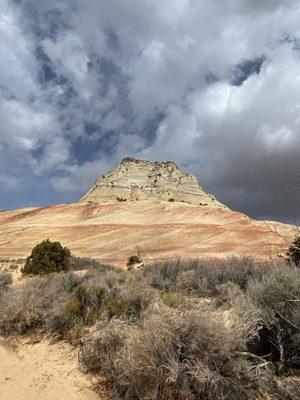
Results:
80 263
130 301
47 257
226 294
22 309
90 294
111 277
237 270
13 267
99 351
171 200
5 280
79 309
98 297
275 302
27 307
163 275
293 253
132 260
171 299
171 355
202 277
66 303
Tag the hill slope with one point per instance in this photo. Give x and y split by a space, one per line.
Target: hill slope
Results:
153 206
111 232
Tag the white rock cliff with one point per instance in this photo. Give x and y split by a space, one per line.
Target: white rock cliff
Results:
135 180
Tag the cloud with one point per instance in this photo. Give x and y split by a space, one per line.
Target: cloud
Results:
18 68
246 6
9 182
81 177
69 59
241 140
212 85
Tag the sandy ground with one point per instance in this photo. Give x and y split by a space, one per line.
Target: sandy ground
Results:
42 371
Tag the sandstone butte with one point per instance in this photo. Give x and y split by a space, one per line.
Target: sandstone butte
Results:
153 208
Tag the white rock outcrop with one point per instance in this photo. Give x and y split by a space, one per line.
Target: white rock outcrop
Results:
135 180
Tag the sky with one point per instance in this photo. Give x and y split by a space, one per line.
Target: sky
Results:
213 85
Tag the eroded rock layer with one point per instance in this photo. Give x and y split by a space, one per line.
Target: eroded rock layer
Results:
135 180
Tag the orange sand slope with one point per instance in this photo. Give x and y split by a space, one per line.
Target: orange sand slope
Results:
160 229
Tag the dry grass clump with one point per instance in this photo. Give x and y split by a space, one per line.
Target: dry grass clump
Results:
293 253
274 302
202 277
171 354
163 275
80 308
226 294
172 299
130 301
290 389
26 307
66 303
98 352
80 263
5 280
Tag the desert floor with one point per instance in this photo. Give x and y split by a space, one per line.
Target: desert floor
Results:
42 371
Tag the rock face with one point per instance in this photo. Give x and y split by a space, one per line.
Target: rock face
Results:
135 180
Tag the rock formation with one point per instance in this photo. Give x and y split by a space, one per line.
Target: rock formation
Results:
135 180
127 208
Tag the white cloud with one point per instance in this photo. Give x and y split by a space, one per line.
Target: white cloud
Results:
70 59
166 48
81 177
18 68
23 127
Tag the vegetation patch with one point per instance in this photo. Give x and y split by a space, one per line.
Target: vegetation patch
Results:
218 329
47 257
293 253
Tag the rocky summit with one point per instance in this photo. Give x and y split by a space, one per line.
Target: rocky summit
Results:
135 180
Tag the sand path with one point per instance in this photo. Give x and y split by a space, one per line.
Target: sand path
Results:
42 371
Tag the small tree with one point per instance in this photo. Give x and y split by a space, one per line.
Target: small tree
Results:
294 252
47 257
132 260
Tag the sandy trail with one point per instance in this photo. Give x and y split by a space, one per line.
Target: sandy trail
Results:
42 371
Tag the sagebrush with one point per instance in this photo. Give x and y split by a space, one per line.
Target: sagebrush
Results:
198 329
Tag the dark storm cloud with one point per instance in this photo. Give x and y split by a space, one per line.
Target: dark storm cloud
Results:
212 85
